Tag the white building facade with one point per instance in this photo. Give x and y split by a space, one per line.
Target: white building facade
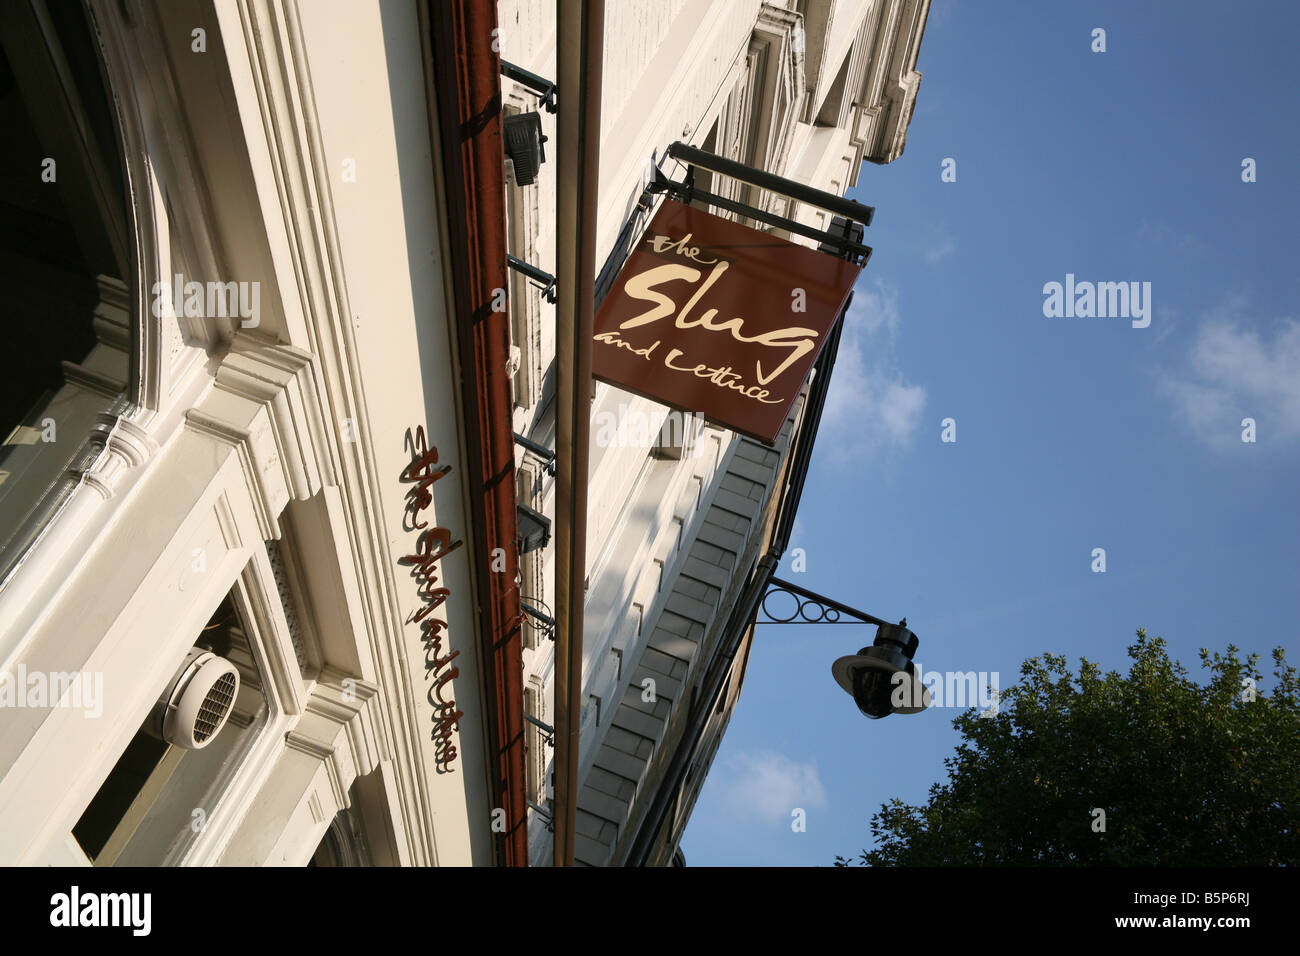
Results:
275 423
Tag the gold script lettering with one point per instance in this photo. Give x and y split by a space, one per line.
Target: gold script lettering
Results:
799 340
680 247
719 376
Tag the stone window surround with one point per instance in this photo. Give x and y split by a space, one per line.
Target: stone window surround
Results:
252 443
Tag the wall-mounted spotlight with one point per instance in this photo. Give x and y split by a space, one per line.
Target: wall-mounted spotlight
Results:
534 529
523 139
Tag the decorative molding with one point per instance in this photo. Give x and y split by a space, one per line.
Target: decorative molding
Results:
166 198
277 662
264 45
282 377
297 613
265 404
888 95
115 445
341 729
779 39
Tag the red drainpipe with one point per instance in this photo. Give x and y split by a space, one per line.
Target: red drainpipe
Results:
467 79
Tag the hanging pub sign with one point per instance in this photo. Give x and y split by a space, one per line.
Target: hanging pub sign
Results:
713 317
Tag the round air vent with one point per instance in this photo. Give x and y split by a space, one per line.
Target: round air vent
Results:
197 701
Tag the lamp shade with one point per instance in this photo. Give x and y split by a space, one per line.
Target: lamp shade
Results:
881 678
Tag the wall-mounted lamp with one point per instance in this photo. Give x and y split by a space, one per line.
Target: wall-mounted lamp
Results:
870 676
882 679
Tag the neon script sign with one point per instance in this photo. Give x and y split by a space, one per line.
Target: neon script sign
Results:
431 546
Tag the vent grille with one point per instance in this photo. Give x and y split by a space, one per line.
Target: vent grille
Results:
281 574
215 708
197 702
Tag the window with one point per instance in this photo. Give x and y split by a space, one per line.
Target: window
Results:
342 844
532 584
160 798
536 755
64 257
525 295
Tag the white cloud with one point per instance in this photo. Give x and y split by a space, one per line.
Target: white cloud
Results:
900 408
874 308
944 245
768 786
870 406
1233 372
1163 320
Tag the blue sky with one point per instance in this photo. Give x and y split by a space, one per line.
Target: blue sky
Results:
1072 433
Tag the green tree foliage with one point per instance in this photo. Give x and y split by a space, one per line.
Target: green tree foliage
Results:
1188 774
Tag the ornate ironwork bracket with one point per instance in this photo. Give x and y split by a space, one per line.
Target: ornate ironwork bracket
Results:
814 608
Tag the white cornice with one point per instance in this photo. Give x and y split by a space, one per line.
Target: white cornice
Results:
885 103
782 33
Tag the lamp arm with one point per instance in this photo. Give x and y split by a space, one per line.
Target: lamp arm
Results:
778 584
